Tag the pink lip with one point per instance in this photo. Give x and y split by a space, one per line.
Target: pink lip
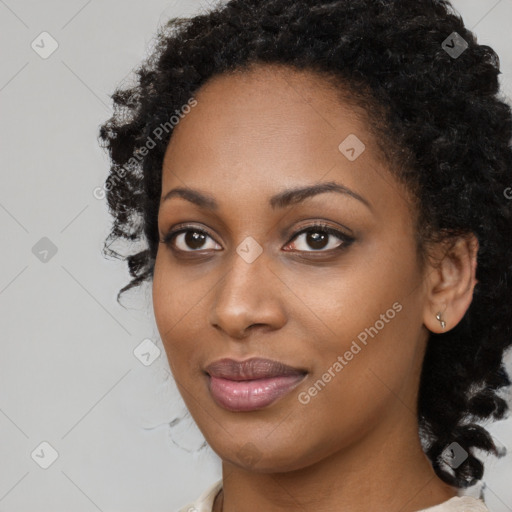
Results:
249 395
253 368
251 384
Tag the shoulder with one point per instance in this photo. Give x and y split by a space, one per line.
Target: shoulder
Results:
204 502
459 504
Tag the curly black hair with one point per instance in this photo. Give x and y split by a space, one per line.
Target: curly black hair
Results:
440 120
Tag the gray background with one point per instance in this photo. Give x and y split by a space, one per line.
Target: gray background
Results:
68 372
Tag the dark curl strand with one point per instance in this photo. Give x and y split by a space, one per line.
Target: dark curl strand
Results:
441 122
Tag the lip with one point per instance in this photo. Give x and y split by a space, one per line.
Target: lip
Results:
253 368
251 384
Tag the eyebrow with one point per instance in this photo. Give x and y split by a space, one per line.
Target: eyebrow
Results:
280 200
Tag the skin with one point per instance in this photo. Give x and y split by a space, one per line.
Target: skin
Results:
355 445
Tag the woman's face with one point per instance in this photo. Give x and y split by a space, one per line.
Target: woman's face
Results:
347 309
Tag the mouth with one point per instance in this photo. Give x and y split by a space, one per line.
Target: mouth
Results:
252 384
250 369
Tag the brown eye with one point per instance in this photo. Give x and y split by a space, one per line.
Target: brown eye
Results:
188 240
321 238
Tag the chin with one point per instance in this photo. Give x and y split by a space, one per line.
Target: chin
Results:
259 456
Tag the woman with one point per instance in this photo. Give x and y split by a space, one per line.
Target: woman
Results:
321 187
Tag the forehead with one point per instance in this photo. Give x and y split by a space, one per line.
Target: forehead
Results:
267 111
254 133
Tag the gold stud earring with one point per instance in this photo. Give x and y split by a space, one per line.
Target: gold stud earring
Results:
441 321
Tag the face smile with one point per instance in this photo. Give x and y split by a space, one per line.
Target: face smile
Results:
251 384
277 245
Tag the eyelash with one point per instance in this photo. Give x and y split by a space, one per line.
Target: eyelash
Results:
318 227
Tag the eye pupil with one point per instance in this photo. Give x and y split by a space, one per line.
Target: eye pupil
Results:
317 239
193 237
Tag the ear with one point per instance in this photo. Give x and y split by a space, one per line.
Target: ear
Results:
450 281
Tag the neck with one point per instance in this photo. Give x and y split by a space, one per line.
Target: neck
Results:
387 468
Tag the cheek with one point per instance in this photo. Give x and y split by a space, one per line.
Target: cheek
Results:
174 294
179 309
162 297
365 328
360 374
170 306
340 302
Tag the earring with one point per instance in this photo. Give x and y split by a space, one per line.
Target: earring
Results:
441 321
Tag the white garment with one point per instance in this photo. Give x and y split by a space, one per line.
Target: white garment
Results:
456 504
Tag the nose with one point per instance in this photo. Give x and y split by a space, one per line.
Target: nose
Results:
249 296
